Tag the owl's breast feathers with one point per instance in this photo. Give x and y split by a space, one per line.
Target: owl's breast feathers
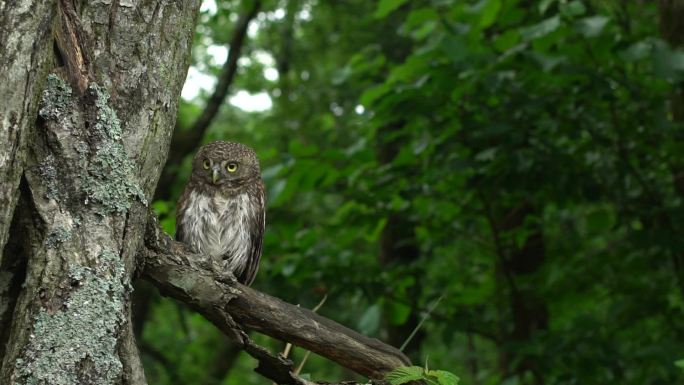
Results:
227 227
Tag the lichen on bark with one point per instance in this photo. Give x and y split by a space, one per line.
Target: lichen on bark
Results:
107 173
57 236
76 342
107 124
110 180
56 99
48 173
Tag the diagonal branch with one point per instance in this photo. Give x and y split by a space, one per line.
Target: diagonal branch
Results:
184 142
190 278
226 76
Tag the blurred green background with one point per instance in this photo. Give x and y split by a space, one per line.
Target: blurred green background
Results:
522 159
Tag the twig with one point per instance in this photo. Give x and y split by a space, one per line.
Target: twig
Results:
425 317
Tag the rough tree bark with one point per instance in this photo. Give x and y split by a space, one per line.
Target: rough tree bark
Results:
90 93
24 43
96 132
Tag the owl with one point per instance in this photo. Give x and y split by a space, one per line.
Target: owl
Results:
221 211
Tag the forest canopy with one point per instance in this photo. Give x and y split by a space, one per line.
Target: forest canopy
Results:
512 168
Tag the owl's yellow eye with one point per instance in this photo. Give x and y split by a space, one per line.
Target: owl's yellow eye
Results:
231 167
206 164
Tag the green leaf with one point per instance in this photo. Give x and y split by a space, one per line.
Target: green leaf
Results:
486 155
668 63
455 48
443 377
397 203
573 8
542 28
425 30
489 13
548 62
398 312
680 363
387 6
544 6
592 26
369 323
638 51
599 221
169 225
161 207
299 149
413 68
374 235
372 94
507 40
405 374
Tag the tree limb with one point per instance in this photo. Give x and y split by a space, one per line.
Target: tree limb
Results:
191 278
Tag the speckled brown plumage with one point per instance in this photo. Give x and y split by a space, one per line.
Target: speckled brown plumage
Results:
221 212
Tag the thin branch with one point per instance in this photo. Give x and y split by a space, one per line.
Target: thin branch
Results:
496 236
191 278
159 356
226 76
301 364
422 321
184 142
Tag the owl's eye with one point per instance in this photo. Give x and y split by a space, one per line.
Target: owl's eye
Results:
206 164
231 167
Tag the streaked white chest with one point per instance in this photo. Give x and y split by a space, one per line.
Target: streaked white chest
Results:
219 227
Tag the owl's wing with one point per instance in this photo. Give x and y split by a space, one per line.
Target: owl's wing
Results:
258 224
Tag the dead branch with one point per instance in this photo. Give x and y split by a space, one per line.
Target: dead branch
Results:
230 306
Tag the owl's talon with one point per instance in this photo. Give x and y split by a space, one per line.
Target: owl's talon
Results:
226 277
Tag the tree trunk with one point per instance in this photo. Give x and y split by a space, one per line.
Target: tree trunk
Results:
90 140
24 46
528 311
672 30
398 245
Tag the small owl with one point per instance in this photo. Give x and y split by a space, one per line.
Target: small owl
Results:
221 211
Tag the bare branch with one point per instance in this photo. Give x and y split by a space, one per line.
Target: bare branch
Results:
190 278
184 142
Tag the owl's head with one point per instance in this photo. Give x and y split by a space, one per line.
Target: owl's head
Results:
228 164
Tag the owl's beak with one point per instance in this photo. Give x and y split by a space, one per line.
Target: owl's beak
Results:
215 175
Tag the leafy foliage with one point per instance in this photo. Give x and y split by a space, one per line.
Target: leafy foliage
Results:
407 374
521 158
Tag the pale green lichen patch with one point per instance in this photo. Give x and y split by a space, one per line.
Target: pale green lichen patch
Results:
106 173
107 123
56 98
77 343
57 237
48 173
110 179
